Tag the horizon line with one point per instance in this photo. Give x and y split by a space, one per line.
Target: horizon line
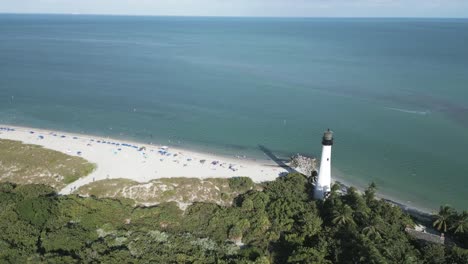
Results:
230 16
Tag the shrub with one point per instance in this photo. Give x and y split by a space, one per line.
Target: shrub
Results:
241 184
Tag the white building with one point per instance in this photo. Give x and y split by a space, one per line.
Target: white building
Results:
323 184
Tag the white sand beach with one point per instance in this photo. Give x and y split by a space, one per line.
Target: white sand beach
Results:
140 162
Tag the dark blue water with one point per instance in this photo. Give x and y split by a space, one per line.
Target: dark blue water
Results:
395 91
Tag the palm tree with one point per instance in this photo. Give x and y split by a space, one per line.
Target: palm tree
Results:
343 216
373 229
369 193
442 218
335 188
461 223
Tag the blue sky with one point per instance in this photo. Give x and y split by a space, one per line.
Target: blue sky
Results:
288 8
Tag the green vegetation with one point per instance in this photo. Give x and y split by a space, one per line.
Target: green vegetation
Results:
279 224
450 221
22 163
184 191
241 184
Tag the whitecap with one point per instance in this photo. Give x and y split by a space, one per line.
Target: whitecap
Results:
409 111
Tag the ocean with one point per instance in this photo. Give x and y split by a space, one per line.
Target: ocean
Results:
394 91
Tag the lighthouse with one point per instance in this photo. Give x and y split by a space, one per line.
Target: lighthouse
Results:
323 184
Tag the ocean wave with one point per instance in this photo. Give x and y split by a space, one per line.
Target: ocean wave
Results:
415 112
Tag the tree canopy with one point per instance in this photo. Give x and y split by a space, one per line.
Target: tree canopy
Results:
279 224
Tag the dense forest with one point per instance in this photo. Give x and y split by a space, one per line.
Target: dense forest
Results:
278 224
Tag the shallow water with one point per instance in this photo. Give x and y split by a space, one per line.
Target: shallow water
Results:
395 91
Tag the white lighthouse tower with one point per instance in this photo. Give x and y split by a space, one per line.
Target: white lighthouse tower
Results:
323 184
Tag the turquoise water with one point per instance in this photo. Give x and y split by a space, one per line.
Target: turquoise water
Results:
395 91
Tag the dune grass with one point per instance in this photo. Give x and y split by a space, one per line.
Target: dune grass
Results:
25 164
184 191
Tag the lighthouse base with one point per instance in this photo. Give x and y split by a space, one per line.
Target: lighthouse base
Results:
321 192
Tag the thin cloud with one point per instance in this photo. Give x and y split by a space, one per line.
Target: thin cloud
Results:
303 8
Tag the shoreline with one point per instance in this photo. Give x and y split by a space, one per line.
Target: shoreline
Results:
421 214
120 158
138 161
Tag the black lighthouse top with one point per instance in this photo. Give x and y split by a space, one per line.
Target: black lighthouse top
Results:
327 139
